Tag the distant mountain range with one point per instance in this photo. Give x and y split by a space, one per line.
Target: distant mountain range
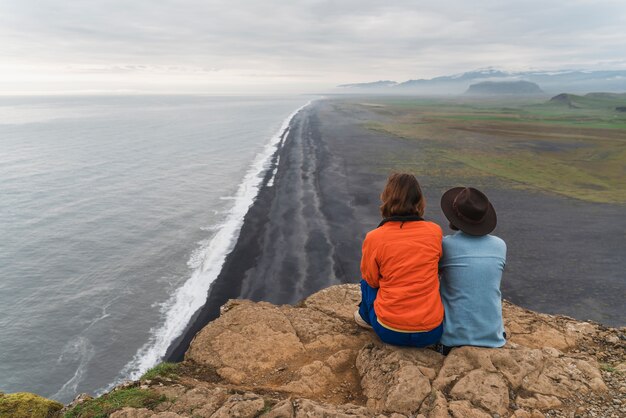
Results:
373 84
503 88
549 81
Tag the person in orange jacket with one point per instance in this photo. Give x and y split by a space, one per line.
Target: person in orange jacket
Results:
399 268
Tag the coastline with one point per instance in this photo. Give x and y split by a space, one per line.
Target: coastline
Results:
184 304
228 283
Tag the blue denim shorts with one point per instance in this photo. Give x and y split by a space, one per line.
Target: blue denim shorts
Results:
410 339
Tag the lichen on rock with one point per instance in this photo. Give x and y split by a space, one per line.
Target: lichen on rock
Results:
28 405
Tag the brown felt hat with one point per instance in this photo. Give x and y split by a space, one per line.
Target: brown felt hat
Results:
469 210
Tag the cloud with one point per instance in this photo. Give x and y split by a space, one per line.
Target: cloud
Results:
311 42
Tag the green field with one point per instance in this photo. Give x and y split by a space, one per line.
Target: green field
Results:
573 145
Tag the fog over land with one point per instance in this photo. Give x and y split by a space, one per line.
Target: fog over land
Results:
244 46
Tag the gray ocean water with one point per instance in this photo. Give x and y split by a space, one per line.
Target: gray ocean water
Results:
114 213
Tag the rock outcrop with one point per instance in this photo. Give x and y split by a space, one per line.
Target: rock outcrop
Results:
311 360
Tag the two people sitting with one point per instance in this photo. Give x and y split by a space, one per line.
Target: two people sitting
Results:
420 288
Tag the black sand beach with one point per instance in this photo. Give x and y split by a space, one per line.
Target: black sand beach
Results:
304 232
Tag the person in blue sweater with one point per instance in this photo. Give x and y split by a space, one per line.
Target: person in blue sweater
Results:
470 272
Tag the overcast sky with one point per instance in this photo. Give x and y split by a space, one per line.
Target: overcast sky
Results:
298 45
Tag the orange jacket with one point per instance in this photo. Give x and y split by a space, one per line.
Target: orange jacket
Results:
401 260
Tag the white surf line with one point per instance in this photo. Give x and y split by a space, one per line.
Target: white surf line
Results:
270 182
192 295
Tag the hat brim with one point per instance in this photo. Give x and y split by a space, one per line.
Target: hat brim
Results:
485 227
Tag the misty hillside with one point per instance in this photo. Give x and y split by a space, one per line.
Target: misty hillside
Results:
590 101
495 88
373 84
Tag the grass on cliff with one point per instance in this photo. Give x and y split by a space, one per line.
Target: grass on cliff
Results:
607 367
164 369
575 152
107 404
28 405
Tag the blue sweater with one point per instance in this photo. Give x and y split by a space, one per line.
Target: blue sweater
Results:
470 272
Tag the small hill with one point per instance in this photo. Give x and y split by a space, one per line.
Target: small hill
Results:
570 100
500 88
613 101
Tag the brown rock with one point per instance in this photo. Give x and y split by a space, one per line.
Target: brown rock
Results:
312 379
435 406
464 409
539 401
546 372
142 413
392 378
564 377
306 408
535 330
248 405
341 360
301 350
489 390
132 413
461 361
201 401
258 331
338 301
283 409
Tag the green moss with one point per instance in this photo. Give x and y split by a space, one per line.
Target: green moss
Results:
607 367
28 405
107 404
164 369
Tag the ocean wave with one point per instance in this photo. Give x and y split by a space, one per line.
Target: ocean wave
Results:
270 183
208 262
78 350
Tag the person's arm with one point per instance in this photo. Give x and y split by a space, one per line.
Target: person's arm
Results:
441 261
369 266
503 255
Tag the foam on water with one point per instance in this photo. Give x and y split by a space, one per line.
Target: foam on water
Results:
208 261
270 183
78 350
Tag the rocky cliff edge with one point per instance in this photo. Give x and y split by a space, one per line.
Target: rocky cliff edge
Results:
311 360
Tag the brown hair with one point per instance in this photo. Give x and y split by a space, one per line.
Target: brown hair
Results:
402 196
